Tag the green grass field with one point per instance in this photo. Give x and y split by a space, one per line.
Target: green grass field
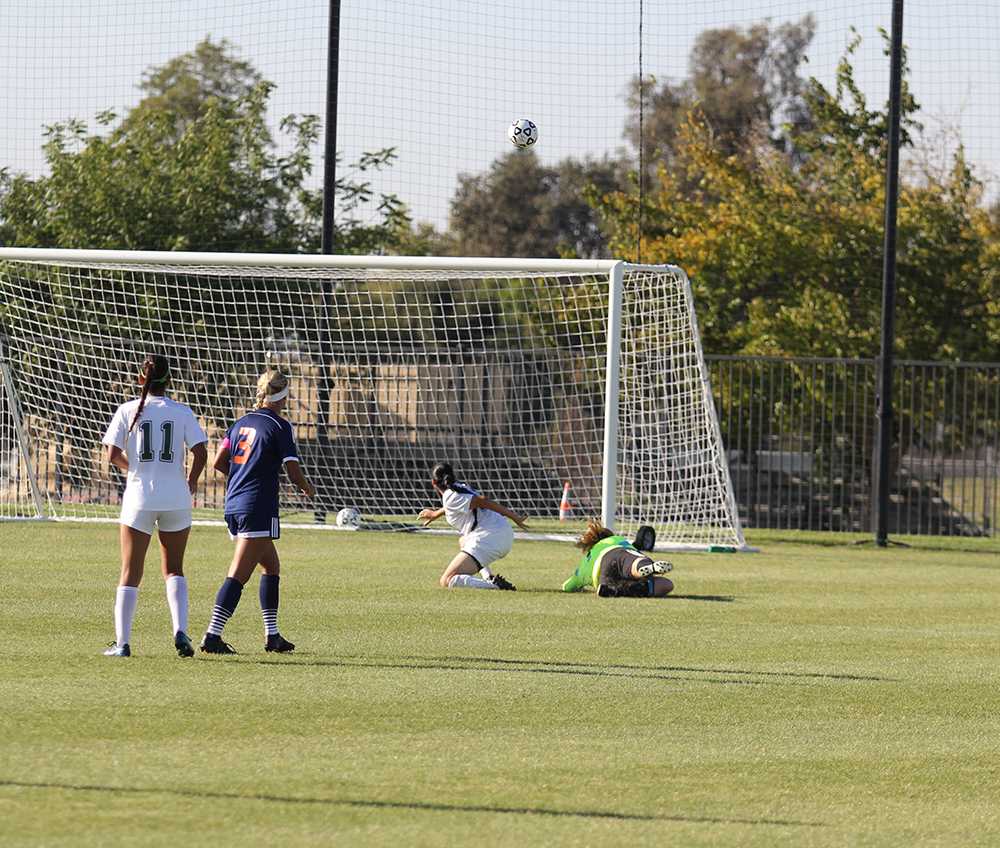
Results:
815 693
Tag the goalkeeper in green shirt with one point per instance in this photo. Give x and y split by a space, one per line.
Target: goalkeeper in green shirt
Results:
615 568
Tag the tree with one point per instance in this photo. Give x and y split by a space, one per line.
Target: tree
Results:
523 208
742 84
785 253
193 167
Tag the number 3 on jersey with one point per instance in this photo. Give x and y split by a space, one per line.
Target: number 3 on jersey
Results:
241 453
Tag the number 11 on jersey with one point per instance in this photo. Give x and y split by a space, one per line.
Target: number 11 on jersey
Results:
147 452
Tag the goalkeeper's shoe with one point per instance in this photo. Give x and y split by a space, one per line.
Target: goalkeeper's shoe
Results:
213 644
502 582
637 589
182 642
651 569
116 650
278 644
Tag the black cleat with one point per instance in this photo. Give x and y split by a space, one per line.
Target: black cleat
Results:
213 644
278 644
182 642
502 582
638 589
116 650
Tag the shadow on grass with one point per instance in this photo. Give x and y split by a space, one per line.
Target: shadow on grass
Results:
560 664
507 666
726 599
723 599
401 805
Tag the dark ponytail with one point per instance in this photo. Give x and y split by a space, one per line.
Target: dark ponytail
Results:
443 475
155 373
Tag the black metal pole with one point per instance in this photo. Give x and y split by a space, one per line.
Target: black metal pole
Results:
330 146
884 398
323 387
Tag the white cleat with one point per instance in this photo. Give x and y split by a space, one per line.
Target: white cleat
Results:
651 569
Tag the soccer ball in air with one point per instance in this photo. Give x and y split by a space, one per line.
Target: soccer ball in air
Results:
522 133
349 517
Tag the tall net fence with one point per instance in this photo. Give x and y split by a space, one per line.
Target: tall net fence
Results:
800 438
427 90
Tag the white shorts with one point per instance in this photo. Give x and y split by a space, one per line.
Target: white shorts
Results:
143 520
488 546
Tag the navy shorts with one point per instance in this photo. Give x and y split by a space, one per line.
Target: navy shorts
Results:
250 525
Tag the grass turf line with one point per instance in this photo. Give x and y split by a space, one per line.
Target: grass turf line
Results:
807 695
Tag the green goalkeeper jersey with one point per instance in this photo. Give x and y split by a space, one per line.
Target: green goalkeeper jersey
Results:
588 572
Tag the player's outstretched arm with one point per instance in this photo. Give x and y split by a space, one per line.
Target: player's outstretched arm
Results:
429 516
479 502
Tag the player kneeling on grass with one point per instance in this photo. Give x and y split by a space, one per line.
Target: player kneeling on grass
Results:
146 440
251 456
485 535
613 566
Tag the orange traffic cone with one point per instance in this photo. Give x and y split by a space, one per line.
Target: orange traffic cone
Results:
565 507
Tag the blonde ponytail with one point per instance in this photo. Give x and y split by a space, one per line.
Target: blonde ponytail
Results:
270 382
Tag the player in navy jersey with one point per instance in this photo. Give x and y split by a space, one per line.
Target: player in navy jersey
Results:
485 535
252 455
146 440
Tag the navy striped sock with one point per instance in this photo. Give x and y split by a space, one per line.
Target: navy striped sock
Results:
225 605
269 602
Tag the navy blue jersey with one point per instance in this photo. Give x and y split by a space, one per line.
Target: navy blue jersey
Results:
259 443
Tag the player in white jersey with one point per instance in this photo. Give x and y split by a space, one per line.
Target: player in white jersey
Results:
146 440
485 535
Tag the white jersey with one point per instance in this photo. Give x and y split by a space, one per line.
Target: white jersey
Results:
155 452
456 501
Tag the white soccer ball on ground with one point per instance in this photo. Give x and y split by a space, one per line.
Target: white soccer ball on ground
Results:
349 517
522 133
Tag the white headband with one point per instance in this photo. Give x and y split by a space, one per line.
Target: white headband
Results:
277 396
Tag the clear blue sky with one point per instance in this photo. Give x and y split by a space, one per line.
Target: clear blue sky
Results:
441 80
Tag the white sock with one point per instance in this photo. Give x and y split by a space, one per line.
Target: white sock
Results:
177 600
469 581
125 600
485 572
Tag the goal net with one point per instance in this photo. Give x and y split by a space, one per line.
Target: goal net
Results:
524 374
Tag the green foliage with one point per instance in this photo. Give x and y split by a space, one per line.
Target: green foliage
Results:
523 208
742 83
194 167
784 245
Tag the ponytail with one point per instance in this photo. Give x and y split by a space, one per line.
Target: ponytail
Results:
443 475
155 372
272 382
592 535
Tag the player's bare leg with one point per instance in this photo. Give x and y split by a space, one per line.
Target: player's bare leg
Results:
172 547
248 555
268 560
134 544
462 572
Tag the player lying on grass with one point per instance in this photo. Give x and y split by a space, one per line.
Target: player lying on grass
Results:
485 535
613 566
146 440
251 456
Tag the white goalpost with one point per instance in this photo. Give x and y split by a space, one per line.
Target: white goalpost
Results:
525 374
